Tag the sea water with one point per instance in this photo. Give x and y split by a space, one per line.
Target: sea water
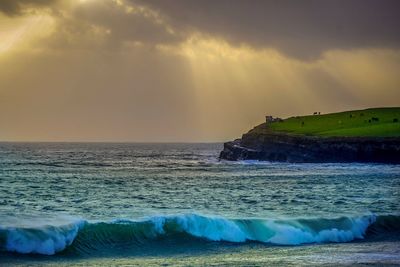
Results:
152 204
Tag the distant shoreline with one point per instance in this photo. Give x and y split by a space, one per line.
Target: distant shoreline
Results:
371 135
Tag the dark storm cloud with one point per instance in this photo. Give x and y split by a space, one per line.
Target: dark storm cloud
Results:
14 7
111 25
140 25
299 28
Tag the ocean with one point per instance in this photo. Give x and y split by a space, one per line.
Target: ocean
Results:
110 204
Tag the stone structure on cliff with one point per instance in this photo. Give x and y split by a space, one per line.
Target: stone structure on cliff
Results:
269 119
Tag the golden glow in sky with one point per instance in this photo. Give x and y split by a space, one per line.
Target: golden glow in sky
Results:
98 70
21 32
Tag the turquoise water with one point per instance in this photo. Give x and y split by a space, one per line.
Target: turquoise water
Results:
132 201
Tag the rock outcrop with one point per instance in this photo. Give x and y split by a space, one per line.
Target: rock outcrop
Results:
268 145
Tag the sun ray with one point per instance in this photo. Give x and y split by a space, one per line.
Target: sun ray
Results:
21 32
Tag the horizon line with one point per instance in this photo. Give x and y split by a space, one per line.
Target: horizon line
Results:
118 142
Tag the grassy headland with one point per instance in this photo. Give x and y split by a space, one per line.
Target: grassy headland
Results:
374 122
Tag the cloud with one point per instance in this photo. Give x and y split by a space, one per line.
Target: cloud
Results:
125 70
110 25
300 29
15 7
303 29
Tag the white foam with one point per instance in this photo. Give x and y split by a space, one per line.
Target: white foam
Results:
290 235
46 240
215 229
267 231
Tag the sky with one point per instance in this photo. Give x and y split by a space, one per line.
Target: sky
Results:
186 70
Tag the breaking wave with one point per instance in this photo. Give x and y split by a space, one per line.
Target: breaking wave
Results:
86 237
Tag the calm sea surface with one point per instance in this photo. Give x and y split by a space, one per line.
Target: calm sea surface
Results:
152 204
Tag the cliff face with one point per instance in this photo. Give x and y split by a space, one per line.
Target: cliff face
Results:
274 146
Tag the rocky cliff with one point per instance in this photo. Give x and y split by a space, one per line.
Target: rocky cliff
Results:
264 144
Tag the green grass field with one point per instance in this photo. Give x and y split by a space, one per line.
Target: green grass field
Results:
348 123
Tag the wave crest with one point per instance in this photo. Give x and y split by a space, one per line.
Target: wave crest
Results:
46 240
86 236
